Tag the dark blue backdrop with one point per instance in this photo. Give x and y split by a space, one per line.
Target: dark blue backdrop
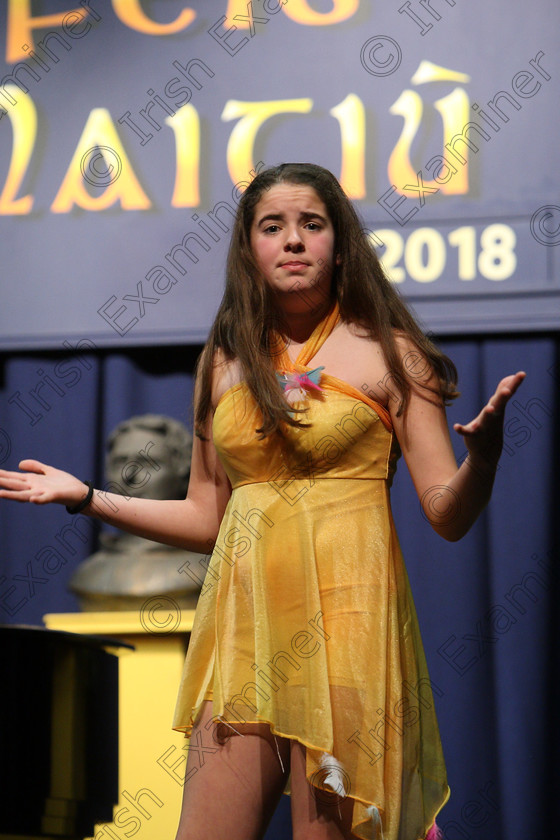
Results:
485 604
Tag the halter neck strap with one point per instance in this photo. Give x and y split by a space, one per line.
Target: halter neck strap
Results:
311 347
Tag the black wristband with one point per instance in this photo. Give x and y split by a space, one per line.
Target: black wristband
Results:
85 502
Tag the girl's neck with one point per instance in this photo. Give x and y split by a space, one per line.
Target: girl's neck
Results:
296 327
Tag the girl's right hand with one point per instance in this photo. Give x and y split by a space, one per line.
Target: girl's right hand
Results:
41 484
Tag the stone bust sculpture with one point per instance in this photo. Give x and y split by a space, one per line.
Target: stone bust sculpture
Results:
148 456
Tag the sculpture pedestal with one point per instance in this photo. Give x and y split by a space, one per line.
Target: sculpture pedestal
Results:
152 757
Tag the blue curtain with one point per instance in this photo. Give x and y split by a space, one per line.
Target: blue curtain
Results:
485 604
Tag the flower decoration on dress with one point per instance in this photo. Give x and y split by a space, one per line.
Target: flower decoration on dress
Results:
296 385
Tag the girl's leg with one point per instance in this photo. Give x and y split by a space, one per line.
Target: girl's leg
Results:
316 814
231 788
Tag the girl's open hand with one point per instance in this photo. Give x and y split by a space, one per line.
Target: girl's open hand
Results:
40 484
484 435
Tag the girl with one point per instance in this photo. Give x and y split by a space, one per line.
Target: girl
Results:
305 670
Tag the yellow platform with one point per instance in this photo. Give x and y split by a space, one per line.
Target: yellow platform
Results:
151 756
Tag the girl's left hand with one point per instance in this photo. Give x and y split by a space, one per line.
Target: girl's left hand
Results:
484 435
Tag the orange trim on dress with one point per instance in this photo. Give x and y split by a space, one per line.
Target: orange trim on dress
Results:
309 350
301 364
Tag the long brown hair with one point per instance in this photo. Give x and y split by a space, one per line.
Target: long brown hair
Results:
242 328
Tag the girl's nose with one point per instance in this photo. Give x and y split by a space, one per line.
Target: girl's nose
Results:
294 240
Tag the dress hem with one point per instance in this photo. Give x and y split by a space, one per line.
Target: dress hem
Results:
364 802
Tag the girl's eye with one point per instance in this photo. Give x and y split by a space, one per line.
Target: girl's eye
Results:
271 229
312 226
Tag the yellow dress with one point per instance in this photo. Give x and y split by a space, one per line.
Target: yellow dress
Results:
306 619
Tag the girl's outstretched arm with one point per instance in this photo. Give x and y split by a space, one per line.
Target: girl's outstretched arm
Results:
191 523
453 497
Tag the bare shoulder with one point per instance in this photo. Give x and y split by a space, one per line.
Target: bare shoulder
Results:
354 356
225 374
367 368
417 366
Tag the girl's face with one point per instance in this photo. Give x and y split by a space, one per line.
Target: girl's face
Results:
292 240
